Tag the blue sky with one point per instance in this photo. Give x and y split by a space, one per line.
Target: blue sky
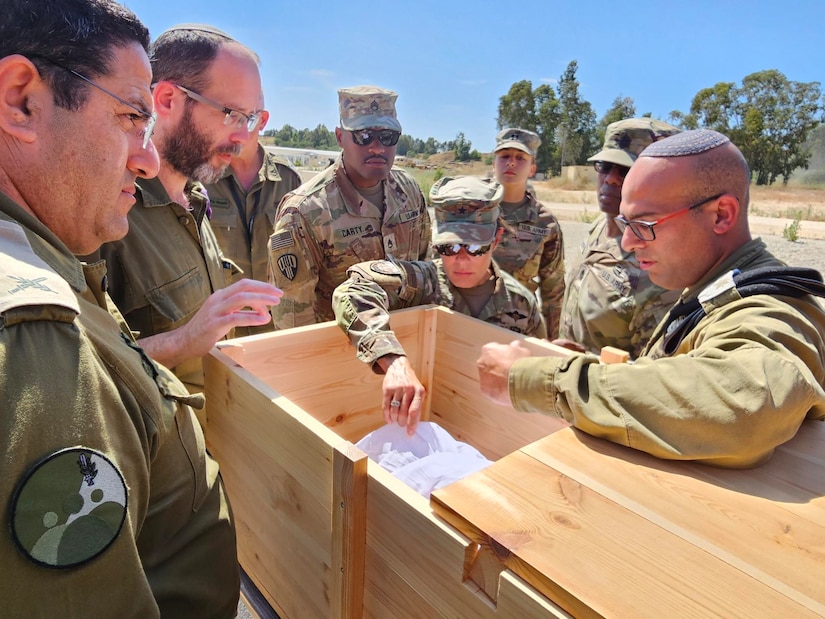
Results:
450 62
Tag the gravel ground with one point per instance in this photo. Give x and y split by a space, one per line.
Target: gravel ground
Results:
804 252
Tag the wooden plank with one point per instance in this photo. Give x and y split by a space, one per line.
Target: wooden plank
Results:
411 554
591 555
276 462
349 530
740 522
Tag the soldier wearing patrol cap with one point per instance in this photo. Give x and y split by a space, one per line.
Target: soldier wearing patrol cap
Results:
532 246
610 300
360 208
464 278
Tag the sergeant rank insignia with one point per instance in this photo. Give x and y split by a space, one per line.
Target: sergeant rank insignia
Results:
68 508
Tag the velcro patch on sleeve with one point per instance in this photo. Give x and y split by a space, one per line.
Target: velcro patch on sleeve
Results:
68 508
25 279
281 240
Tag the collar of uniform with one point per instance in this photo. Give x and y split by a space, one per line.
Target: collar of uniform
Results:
742 257
154 194
44 243
525 211
352 199
270 167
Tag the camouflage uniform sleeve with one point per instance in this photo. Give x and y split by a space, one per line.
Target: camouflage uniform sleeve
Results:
425 246
551 279
294 259
363 302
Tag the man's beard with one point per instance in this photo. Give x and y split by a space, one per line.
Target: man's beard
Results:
188 151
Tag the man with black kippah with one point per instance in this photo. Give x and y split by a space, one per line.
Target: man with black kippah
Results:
736 365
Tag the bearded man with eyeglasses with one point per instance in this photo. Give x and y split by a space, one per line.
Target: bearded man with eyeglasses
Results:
609 300
168 275
360 208
464 278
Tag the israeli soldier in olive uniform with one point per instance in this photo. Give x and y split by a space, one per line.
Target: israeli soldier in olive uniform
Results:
358 209
734 368
244 204
465 278
532 246
610 300
168 275
111 506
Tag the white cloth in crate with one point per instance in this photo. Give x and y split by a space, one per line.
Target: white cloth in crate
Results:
426 461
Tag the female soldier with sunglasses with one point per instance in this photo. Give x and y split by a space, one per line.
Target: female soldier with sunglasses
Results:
464 278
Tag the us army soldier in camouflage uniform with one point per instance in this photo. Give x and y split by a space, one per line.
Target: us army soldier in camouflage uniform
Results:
111 505
244 204
360 208
532 247
465 278
610 301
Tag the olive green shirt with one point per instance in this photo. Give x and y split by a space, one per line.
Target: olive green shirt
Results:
739 384
166 266
325 226
243 220
363 302
111 506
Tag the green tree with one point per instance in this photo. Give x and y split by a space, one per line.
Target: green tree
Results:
623 107
462 147
518 107
547 118
577 137
769 118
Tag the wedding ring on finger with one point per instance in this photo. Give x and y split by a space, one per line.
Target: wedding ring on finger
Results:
395 403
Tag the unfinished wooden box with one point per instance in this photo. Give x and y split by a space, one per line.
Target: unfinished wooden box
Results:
322 530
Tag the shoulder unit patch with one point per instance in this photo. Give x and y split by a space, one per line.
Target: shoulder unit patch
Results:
68 508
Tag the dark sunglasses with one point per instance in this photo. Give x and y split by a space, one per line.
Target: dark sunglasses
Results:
604 167
387 137
453 248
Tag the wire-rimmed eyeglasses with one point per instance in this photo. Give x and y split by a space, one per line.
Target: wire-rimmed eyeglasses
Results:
142 120
644 229
233 118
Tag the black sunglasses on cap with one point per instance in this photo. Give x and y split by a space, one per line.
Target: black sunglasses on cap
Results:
452 249
604 167
387 137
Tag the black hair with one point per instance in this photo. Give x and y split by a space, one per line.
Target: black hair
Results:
81 35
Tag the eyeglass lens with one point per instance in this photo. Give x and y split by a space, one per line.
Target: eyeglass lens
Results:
364 137
604 167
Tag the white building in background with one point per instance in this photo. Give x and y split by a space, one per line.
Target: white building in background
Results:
305 157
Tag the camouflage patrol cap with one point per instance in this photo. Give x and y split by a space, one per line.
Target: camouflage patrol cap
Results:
520 139
625 139
363 107
466 209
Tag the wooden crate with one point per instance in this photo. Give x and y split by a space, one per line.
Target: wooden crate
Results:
323 531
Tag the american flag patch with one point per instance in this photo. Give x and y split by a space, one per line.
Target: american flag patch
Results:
282 240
